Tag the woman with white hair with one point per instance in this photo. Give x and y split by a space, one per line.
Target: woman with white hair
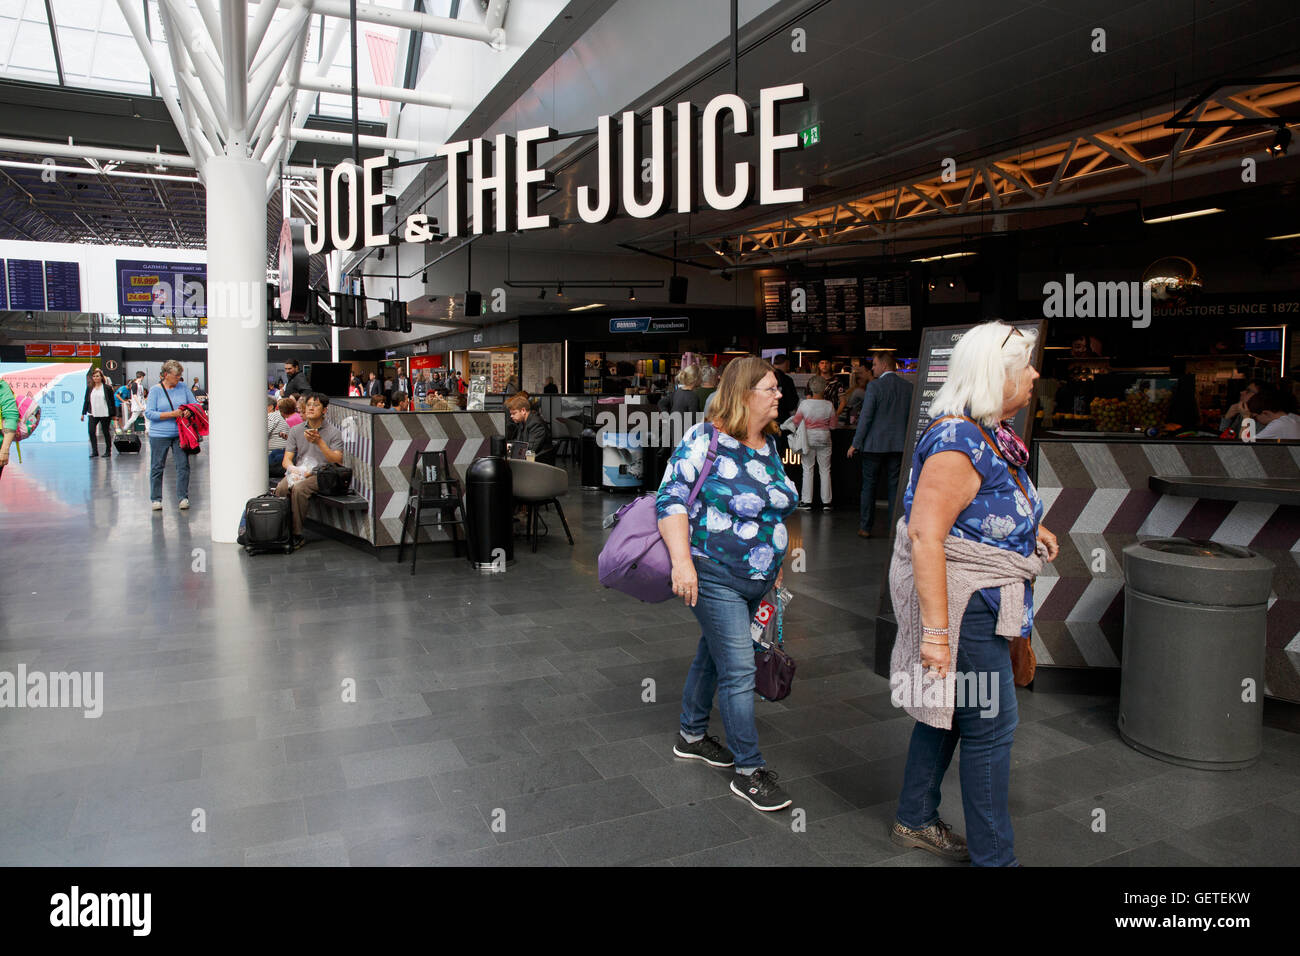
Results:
683 397
965 555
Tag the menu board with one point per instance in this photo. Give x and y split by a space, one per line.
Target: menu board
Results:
843 305
932 366
776 306
887 318
4 286
63 286
885 289
813 316
26 284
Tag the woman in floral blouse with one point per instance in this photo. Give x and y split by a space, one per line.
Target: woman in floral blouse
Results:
968 481
726 554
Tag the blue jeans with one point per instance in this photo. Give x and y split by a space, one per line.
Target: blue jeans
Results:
871 464
275 462
985 749
158 448
724 661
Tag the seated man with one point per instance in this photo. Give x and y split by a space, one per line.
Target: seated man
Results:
527 425
400 402
314 443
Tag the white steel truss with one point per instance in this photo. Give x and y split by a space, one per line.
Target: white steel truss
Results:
1084 167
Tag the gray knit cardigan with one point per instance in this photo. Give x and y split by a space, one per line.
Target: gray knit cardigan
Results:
971 566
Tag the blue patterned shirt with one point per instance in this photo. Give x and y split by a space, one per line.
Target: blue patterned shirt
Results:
738 518
1000 515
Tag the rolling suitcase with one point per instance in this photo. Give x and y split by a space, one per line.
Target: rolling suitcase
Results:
267 525
127 443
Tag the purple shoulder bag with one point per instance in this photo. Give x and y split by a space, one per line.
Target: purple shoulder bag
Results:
635 559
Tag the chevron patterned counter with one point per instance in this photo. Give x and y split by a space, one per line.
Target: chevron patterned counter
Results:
1098 499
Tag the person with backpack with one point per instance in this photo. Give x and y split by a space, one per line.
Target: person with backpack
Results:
8 422
163 407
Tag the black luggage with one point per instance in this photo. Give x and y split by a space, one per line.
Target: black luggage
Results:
267 525
333 480
127 443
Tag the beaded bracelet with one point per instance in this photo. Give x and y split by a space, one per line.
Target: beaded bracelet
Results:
933 630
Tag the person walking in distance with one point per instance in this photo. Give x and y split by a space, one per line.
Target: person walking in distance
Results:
817 415
878 441
98 405
727 547
162 408
298 384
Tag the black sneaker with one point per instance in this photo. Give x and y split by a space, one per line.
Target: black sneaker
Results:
298 542
707 749
760 789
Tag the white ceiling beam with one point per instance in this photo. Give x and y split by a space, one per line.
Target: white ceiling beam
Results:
135 22
77 151
122 173
184 27
394 94
234 33
332 44
420 22
257 32
345 139
266 76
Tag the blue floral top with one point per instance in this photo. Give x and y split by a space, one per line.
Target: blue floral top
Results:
1000 515
738 518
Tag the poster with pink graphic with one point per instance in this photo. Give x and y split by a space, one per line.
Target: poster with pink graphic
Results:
59 388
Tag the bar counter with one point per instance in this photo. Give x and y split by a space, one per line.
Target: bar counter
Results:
380 445
1102 493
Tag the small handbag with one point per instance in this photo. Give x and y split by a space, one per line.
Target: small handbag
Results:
774 668
333 479
635 559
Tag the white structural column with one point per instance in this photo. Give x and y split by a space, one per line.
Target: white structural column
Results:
236 337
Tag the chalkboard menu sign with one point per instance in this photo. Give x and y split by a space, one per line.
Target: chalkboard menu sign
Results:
843 305
885 290
813 316
932 366
776 306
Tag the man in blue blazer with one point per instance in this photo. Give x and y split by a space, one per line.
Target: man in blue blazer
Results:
879 440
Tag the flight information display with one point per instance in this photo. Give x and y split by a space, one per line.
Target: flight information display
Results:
26 284
63 286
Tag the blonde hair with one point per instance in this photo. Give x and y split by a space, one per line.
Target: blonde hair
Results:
689 377
730 409
982 362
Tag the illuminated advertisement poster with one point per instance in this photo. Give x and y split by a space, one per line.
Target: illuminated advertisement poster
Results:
60 388
162 289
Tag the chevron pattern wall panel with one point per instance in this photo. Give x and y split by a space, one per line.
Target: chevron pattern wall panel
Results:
1097 502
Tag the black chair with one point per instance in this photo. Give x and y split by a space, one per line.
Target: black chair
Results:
435 488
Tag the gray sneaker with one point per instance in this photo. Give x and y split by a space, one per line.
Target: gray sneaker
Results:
937 838
707 749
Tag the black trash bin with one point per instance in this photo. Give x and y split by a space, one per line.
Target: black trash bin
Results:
1194 637
489 512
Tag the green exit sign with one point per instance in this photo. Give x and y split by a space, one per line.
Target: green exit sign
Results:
810 136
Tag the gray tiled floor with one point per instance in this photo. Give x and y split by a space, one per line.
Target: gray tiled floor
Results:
498 721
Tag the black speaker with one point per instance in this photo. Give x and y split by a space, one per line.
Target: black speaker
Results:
473 303
677 290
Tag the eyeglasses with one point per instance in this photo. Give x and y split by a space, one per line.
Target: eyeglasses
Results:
774 390
1014 331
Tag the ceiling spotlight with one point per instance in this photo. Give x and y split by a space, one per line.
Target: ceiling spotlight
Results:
631 295
1088 217
932 286
381 255
541 293
1281 140
952 283
559 289
424 276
